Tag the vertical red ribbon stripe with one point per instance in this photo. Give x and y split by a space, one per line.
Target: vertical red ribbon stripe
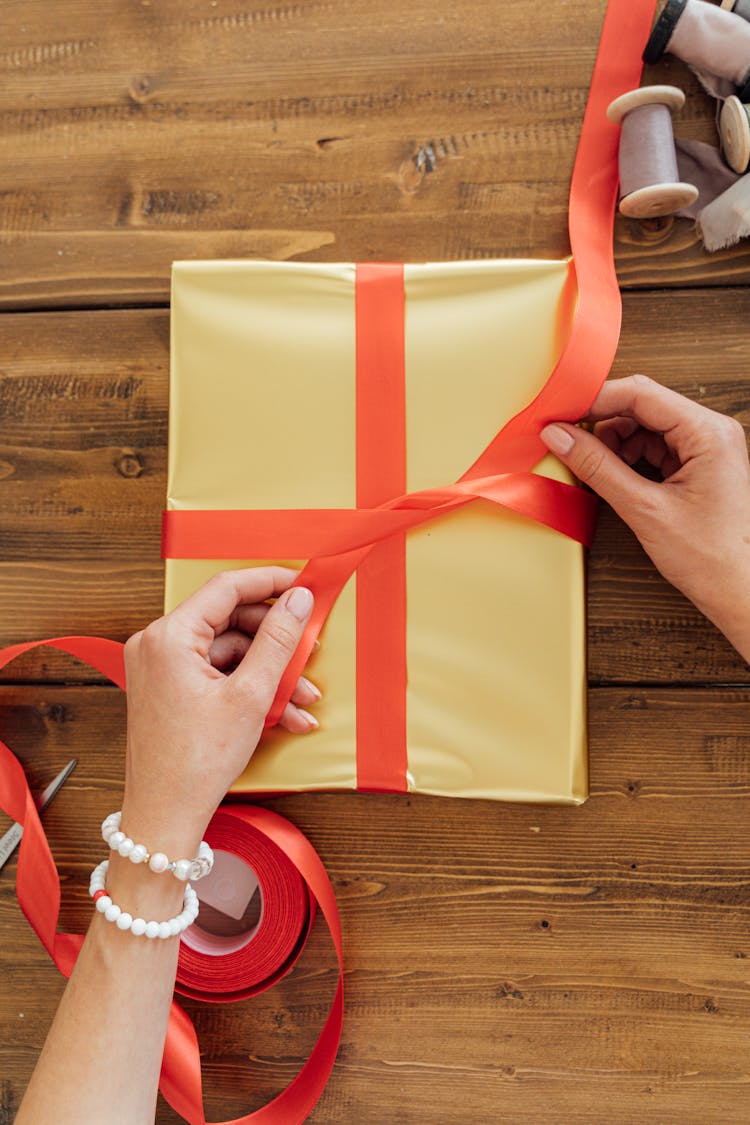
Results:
381 576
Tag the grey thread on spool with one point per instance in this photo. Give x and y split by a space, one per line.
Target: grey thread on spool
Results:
649 178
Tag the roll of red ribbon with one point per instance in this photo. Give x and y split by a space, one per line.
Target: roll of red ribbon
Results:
292 880
238 968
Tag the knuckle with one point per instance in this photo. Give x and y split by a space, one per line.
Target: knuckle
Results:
132 646
642 382
589 468
223 580
281 635
736 431
253 694
153 635
132 643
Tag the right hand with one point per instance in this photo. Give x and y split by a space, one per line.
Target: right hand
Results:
695 523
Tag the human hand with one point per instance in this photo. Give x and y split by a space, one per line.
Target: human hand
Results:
191 727
695 523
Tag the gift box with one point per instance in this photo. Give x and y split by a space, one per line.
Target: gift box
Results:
457 647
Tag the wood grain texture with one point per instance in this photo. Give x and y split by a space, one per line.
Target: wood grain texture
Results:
83 413
135 133
504 963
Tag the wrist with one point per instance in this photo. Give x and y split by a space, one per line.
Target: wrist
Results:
175 836
141 892
727 601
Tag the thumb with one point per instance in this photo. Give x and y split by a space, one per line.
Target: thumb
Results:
274 645
598 467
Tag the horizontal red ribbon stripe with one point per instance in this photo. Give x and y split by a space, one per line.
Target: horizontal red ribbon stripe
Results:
301 533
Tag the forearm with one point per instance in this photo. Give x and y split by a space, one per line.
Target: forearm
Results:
103 1054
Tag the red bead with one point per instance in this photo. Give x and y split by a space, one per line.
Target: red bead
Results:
98 894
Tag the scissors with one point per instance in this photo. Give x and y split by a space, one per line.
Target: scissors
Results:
12 838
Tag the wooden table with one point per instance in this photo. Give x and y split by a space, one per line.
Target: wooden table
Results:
504 963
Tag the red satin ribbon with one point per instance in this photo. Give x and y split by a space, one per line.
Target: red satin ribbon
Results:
287 914
503 468
381 575
38 891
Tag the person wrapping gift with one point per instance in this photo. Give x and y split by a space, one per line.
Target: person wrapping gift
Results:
203 678
185 745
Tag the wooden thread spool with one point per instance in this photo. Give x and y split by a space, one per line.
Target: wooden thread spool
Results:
710 38
734 128
649 179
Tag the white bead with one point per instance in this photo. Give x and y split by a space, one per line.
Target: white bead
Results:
158 862
125 847
108 830
138 926
125 921
152 929
116 839
102 903
112 913
182 869
138 853
165 930
175 926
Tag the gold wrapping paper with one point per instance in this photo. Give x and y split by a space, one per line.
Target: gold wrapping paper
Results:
262 415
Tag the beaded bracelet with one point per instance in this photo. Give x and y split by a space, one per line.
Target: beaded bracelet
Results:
182 869
139 926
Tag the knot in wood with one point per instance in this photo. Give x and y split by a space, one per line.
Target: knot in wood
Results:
129 465
140 89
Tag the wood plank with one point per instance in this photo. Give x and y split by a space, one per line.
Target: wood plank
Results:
131 135
504 962
83 397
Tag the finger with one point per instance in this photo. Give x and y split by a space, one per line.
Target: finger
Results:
305 694
297 721
247 618
659 409
213 604
274 645
228 649
613 431
596 465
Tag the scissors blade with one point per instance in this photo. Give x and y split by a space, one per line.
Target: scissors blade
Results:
12 838
46 795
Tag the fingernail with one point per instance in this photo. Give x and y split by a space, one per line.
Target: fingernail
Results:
310 687
310 718
300 603
557 439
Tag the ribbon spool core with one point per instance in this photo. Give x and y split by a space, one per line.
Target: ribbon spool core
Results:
649 181
232 907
